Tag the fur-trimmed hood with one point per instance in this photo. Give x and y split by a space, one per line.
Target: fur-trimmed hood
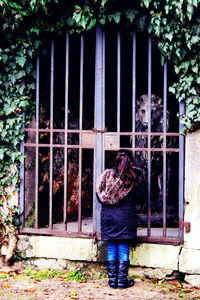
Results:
110 188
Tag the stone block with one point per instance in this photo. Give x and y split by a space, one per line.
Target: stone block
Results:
193 280
43 263
192 189
155 256
158 273
189 261
59 247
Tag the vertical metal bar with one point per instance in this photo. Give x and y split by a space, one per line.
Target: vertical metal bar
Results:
37 141
181 171
103 96
98 121
134 91
66 127
118 79
164 146
134 82
22 181
51 135
80 127
149 133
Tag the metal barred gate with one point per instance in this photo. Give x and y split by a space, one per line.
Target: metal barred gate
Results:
97 93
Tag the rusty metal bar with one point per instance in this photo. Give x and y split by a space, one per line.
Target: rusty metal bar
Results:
59 146
134 82
80 127
98 121
118 80
106 148
44 231
161 240
134 89
103 94
66 126
51 135
181 171
37 140
149 132
164 146
22 180
90 131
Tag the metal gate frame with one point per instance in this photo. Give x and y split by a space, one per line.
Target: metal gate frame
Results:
99 136
101 133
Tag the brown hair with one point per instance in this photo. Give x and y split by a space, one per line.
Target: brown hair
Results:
123 165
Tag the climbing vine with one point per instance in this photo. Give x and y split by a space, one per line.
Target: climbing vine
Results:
176 27
24 25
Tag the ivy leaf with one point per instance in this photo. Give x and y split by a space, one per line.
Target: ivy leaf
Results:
131 14
169 36
189 11
146 3
21 74
84 21
36 44
91 24
195 39
9 110
195 69
77 17
13 156
190 107
2 154
20 60
12 78
35 30
70 21
191 114
141 23
116 17
172 90
11 122
4 58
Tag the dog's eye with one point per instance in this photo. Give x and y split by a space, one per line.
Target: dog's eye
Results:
143 111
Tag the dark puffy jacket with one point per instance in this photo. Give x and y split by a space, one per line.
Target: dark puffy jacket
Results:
119 221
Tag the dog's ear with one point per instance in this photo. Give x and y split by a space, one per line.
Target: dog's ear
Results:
139 101
156 100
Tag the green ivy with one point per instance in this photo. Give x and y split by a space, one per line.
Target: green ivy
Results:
175 25
25 25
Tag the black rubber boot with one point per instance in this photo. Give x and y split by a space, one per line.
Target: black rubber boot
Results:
123 282
112 266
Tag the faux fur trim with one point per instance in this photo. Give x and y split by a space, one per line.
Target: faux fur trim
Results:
110 188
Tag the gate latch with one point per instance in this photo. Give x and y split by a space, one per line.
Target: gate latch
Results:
186 225
99 130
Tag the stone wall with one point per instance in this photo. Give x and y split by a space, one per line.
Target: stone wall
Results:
190 253
183 258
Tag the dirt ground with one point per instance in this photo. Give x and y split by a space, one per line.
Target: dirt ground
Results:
20 282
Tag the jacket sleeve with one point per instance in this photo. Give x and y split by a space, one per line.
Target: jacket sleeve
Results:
101 183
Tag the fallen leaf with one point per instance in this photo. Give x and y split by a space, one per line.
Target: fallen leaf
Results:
177 284
30 290
154 280
97 286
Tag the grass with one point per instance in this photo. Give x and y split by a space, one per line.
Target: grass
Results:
32 274
176 288
42 275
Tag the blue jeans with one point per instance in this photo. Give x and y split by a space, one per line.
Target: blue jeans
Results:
118 250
